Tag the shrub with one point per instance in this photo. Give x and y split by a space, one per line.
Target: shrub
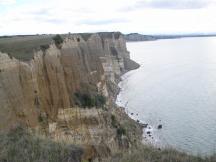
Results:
113 121
100 100
58 40
84 100
44 47
121 131
40 118
87 100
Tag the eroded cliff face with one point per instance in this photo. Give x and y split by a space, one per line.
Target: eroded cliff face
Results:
41 93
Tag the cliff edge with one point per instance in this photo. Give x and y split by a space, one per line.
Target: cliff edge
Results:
66 92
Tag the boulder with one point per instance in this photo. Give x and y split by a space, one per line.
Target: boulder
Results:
160 126
144 125
148 132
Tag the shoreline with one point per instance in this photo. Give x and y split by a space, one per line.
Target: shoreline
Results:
148 137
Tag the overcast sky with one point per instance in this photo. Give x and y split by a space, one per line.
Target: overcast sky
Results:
143 16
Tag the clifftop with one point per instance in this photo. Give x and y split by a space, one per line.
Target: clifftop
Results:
23 47
139 37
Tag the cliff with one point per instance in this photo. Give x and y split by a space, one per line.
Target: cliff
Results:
134 37
59 93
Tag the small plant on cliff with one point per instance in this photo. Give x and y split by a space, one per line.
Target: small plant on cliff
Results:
58 40
44 47
100 100
87 100
121 131
113 121
84 100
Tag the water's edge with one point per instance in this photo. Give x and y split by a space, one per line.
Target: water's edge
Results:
174 88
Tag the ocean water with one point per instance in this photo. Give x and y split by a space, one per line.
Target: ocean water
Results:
176 87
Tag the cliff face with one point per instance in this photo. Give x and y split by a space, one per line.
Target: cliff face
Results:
40 93
134 37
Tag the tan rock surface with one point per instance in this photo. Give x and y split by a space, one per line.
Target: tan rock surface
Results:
40 93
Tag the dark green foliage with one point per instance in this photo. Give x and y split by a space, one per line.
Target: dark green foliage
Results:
20 146
58 40
44 47
113 121
87 100
84 100
121 131
40 118
100 100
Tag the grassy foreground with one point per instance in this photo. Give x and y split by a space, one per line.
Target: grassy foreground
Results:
19 146
150 154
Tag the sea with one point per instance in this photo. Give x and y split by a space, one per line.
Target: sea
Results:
175 87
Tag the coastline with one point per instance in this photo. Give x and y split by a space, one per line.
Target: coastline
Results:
148 136
157 104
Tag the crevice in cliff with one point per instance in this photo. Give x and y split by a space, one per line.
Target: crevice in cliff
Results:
46 75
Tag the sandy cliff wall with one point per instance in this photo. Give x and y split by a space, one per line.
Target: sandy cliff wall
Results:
40 93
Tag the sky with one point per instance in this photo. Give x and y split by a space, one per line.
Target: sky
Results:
126 16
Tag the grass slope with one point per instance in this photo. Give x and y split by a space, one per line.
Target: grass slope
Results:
22 47
150 154
19 146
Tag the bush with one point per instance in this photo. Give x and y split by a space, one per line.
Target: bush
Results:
113 121
44 47
121 131
58 40
100 101
87 100
84 100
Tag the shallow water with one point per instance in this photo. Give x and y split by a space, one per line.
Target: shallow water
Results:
176 87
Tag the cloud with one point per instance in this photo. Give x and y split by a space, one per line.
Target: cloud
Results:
7 2
145 16
102 21
171 4
40 11
54 21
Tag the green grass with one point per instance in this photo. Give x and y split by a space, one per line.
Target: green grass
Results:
150 154
22 47
20 146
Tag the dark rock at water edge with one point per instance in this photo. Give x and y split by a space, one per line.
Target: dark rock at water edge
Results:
144 125
160 126
148 132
